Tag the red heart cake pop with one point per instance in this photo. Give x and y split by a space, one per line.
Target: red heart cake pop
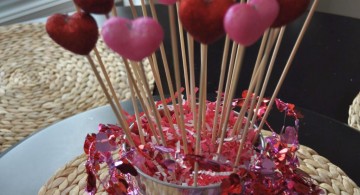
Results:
77 33
167 2
95 6
203 19
289 11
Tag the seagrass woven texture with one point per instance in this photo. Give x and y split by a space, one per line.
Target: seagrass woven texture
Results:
354 113
71 179
41 83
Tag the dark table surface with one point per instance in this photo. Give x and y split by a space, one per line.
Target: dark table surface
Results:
324 76
330 138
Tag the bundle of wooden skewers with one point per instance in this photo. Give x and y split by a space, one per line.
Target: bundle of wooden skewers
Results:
186 140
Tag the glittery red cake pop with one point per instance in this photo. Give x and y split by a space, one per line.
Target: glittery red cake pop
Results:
203 19
77 33
95 6
289 11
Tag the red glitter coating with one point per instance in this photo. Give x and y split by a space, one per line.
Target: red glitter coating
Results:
204 19
77 33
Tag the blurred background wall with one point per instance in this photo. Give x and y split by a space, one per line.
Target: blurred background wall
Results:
13 11
349 8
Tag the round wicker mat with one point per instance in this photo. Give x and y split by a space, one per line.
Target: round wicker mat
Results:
71 179
41 83
354 113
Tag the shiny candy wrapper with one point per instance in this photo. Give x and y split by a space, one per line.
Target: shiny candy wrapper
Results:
270 168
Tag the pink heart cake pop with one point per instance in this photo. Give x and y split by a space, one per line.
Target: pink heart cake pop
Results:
132 39
267 9
243 24
77 33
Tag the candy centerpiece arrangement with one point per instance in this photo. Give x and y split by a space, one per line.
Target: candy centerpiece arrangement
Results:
185 144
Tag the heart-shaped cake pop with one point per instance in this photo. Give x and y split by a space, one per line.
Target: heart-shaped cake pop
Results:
132 39
167 2
95 6
289 11
77 33
203 19
243 24
267 9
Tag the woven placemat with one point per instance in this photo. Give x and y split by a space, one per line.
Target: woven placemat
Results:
354 113
71 179
41 83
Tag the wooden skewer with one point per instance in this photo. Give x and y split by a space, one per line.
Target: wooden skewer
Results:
119 115
133 9
117 108
77 8
152 103
174 47
237 68
144 82
166 65
202 103
269 46
234 50
113 11
196 168
142 102
106 75
183 53
140 84
268 74
117 101
244 135
202 106
190 42
243 110
264 44
136 109
204 96
131 84
227 100
220 88
256 80
179 117
288 64
145 92
143 8
229 85
163 55
155 70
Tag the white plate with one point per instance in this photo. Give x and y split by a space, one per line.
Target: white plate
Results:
28 166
